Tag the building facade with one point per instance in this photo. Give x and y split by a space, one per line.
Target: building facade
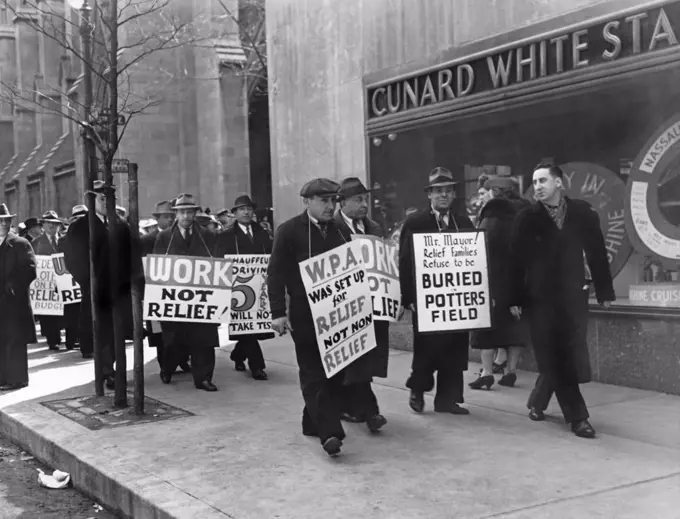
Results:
192 138
387 90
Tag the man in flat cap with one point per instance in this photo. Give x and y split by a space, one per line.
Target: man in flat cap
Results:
445 353
311 233
46 244
246 237
359 402
130 271
186 238
17 272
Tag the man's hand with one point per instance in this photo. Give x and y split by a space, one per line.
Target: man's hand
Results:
282 325
516 311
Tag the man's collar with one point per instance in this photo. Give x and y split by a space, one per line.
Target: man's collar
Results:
440 213
347 219
312 219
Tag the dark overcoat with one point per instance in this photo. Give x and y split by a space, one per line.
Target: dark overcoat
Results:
548 276
234 241
43 247
297 240
148 241
201 244
129 265
496 218
374 363
17 272
456 344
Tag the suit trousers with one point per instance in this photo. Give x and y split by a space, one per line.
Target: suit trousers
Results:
569 398
50 328
72 323
202 359
248 349
440 357
359 400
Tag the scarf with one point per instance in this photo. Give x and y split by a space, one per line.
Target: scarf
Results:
557 212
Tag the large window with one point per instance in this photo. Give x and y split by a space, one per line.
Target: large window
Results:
596 135
66 191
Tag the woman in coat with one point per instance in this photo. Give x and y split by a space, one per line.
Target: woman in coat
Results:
497 217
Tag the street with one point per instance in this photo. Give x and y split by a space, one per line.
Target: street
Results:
22 497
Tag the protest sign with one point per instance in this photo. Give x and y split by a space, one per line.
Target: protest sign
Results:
187 289
44 294
69 290
340 300
382 269
452 282
250 313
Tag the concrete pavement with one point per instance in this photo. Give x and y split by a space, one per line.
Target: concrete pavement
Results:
242 455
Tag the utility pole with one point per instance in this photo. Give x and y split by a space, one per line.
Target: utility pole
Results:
89 173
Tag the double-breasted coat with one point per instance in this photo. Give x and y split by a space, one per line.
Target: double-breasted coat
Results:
496 218
374 363
17 272
200 244
549 282
234 241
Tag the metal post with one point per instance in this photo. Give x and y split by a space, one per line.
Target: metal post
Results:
89 175
138 322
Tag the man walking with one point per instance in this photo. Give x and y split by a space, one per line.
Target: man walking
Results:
17 272
246 237
309 234
446 353
553 242
359 403
45 245
185 238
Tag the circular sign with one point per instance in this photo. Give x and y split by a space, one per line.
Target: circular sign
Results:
606 192
647 226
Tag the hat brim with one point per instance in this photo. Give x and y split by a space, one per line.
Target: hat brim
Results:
252 206
363 191
49 220
440 184
186 206
7 216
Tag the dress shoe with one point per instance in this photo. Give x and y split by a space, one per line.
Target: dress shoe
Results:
508 380
54 347
206 385
482 382
582 429
349 417
453 409
259 374
417 401
536 415
185 366
166 377
376 422
13 387
110 383
239 366
332 446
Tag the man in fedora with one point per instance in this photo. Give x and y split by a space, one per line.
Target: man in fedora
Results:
33 228
226 218
164 216
46 244
129 270
444 353
359 402
246 237
186 238
309 234
17 272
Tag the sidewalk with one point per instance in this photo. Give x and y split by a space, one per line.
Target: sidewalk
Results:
242 455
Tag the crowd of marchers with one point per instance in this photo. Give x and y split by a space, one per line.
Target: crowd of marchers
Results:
544 260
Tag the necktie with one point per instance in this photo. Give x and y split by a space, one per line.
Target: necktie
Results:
441 222
54 242
323 227
249 232
357 227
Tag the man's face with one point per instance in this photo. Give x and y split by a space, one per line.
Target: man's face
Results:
35 231
100 204
441 197
546 186
5 226
244 215
356 207
165 221
186 217
484 195
50 228
321 207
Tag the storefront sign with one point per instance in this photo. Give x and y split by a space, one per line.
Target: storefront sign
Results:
650 231
43 291
452 282
382 268
662 295
340 299
606 192
250 313
646 31
187 289
69 290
